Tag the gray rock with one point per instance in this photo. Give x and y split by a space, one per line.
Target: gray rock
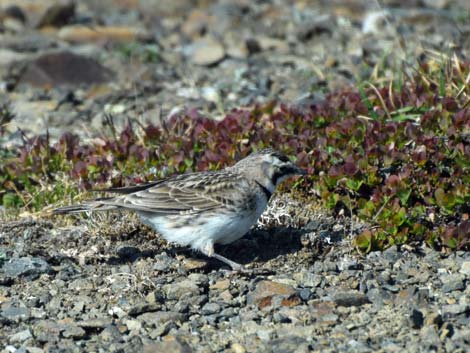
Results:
168 347
210 308
391 254
47 331
358 346
81 284
143 308
289 344
15 314
133 325
9 349
453 282
34 349
163 262
308 30
305 294
160 317
206 51
228 312
72 331
465 268
199 279
155 297
111 334
98 323
308 279
423 294
329 266
378 296
453 310
393 289
348 264
50 331
64 68
193 302
177 290
350 298
26 267
21 336
162 330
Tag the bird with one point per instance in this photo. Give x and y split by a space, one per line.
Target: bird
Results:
201 209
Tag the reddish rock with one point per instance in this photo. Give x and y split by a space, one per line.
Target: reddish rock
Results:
101 34
268 293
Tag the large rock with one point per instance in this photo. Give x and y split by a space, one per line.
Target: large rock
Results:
268 293
206 51
26 267
158 318
181 289
64 68
350 298
168 347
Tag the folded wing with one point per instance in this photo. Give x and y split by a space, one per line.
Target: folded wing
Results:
184 194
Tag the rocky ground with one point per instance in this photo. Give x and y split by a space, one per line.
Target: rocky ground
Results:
76 289
109 284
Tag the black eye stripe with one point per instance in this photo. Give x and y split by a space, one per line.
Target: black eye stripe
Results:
282 171
281 157
286 170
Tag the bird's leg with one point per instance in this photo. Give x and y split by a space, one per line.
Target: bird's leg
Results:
234 265
208 250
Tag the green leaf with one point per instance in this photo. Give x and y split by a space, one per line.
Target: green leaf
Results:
367 102
399 217
364 241
366 209
332 200
404 196
451 243
11 200
442 83
354 184
92 168
444 200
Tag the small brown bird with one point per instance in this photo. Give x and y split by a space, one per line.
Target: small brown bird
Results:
203 208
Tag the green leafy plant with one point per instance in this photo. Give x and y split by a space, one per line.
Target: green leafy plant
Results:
397 158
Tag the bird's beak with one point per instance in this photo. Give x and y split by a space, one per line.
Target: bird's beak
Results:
300 171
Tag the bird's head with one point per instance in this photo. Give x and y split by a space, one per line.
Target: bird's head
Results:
268 167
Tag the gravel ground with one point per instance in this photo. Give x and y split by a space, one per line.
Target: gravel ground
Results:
109 284
73 288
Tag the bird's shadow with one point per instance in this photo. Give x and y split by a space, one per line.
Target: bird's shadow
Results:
256 246
263 245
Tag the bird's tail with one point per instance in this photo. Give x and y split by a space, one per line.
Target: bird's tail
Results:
94 205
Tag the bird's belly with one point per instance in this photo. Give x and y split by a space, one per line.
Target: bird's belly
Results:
198 231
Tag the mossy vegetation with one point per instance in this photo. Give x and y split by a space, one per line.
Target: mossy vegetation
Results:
397 156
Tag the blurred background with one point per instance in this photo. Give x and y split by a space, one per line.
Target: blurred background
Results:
376 107
65 65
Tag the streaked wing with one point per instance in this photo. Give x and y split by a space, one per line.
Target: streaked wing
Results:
131 189
186 194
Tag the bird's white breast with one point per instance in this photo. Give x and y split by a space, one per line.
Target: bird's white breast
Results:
206 228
